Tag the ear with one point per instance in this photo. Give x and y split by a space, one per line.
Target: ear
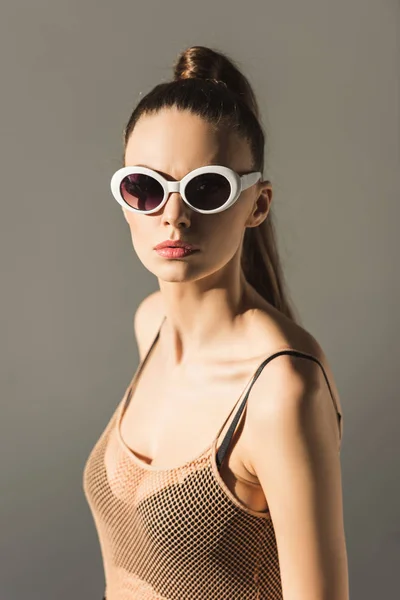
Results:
262 204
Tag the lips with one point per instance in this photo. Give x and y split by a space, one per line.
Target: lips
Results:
176 244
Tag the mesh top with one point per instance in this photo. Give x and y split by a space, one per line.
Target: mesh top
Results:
178 534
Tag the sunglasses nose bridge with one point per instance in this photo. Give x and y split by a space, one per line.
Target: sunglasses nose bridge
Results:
173 186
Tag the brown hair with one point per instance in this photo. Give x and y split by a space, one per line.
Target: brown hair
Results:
209 84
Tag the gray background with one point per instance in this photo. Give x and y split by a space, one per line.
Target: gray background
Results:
327 78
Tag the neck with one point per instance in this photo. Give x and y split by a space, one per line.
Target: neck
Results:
201 314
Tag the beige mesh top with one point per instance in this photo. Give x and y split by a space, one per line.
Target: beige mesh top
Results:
179 534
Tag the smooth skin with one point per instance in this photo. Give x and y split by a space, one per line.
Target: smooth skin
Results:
291 427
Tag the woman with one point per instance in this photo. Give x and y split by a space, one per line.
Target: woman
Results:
199 489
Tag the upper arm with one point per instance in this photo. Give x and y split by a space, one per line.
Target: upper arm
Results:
147 320
294 453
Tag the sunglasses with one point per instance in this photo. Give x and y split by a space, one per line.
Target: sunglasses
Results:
206 190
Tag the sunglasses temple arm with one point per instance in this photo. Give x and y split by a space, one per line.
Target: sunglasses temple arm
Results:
249 179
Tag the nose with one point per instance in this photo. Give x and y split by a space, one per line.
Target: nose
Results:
175 211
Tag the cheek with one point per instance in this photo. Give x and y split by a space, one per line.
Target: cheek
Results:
229 223
141 234
222 235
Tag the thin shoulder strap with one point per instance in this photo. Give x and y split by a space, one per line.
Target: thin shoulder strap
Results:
140 367
226 441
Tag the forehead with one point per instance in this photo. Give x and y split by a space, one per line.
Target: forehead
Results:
175 142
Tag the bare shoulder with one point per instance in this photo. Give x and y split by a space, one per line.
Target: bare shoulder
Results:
300 370
147 320
291 383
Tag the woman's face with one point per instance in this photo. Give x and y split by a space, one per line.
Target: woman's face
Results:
174 143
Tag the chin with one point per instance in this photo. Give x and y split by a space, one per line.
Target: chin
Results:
176 273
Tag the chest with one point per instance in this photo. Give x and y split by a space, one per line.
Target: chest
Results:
170 420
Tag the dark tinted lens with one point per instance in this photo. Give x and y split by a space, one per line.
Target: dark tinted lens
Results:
208 191
142 192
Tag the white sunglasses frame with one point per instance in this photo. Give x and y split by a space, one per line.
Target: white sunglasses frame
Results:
237 182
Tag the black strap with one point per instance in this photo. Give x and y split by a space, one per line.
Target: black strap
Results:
226 441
